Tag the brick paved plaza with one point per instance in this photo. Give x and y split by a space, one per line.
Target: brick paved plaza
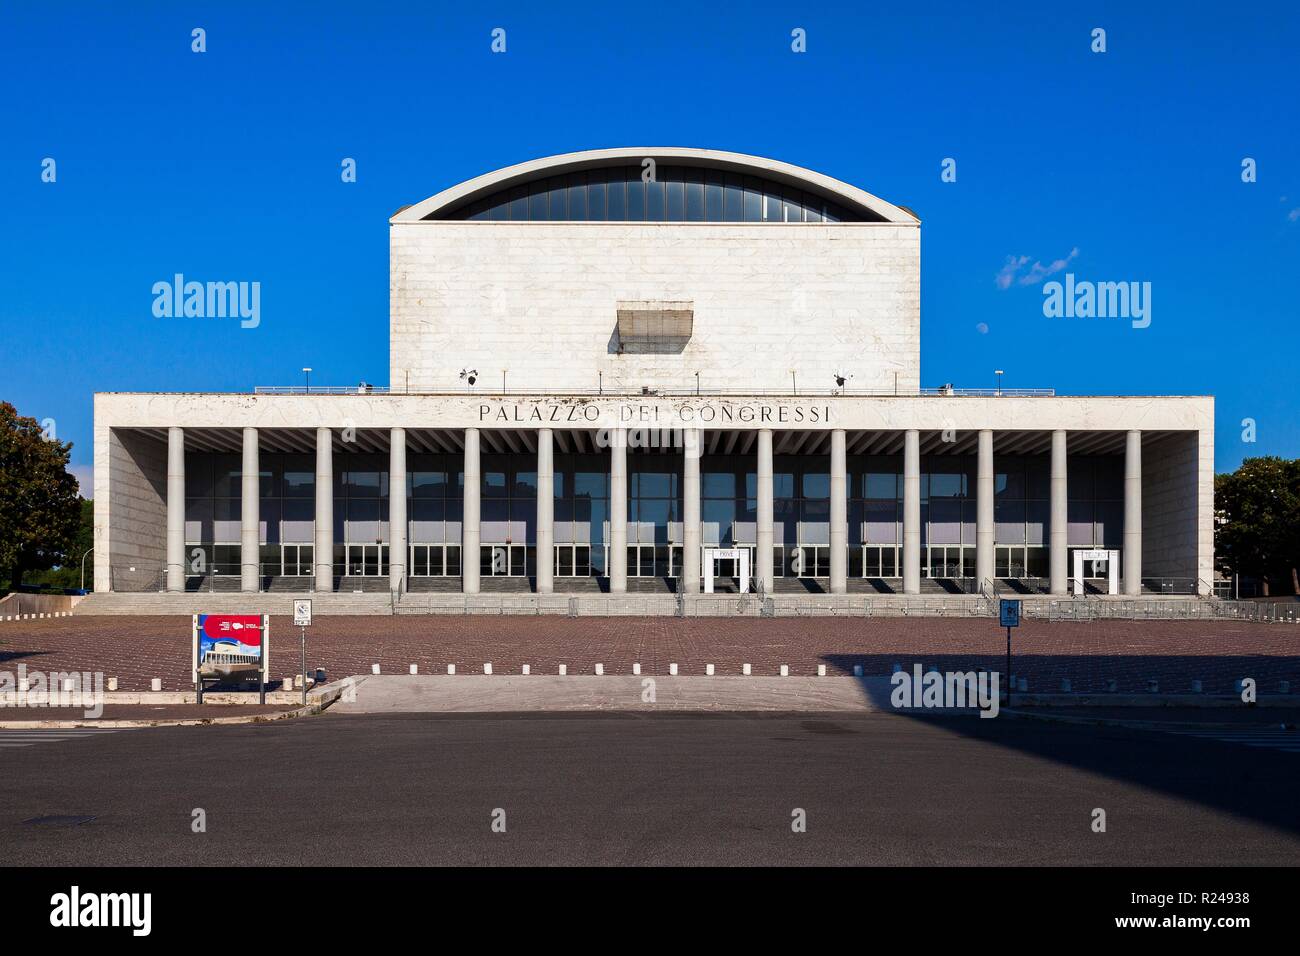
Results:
137 649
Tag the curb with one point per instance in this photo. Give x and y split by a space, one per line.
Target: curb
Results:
317 702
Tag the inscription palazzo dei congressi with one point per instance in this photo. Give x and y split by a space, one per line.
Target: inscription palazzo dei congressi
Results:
675 414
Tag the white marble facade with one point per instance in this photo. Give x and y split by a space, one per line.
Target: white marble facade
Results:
780 312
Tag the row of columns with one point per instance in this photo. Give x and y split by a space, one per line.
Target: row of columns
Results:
763 572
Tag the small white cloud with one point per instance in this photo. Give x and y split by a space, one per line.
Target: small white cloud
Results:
1293 215
1010 271
982 328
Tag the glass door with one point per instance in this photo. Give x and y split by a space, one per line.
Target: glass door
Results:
367 560
296 560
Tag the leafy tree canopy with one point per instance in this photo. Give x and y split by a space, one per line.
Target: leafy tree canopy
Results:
1257 531
40 510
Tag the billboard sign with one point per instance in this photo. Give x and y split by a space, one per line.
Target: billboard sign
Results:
231 647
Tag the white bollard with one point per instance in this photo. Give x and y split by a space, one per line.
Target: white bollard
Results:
487 668
415 669
636 669
564 670
785 670
600 670
672 669
525 670
374 668
821 670
746 669
156 684
1196 687
451 670
112 683
1065 685
857 670
708 670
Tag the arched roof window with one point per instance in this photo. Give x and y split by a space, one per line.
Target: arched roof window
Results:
688 185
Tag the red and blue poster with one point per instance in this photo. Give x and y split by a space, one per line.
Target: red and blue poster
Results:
227 644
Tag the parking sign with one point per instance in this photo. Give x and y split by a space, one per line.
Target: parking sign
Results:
302 613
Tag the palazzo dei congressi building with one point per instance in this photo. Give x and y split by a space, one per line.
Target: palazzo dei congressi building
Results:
653 370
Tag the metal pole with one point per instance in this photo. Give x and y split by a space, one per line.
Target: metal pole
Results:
1008 667
304 663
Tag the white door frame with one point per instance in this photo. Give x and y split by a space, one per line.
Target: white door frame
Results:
1097 554
711 556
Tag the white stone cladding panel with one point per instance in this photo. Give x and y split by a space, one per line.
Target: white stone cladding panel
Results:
133 506
1172 544
539 299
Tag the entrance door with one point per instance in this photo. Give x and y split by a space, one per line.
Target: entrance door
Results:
503 560
367 560
296 560
1009 561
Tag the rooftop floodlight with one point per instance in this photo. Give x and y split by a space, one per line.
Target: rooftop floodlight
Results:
307 372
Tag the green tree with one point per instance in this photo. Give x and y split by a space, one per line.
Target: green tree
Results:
1258 528
40 510
68 573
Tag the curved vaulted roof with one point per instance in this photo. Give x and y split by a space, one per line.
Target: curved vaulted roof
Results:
471 198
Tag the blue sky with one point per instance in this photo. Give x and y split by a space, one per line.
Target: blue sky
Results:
225 165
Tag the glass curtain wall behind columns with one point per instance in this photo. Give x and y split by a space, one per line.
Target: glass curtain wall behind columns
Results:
434 509
810 556
875 516
508 516
1021 512
286 512
361 512
654 522
1095 486
729 507
947 516
581 515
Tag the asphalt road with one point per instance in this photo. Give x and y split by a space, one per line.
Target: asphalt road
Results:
648 789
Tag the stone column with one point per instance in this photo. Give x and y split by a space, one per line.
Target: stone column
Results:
323 545
469 526
544 538
1133 513
911 512
1058 539
984 527
250 567
397 549
839 515
617 510
176 509
689 577
764 572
